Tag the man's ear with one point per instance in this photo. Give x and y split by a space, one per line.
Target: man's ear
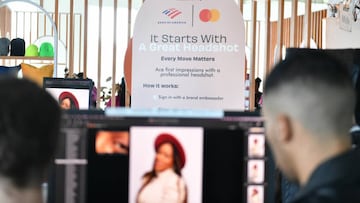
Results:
284 128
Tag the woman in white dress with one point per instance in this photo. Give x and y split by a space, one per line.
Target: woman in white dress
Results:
164 183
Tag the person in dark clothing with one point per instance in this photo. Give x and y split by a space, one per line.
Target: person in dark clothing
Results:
258 94
355 130
336 180
308 107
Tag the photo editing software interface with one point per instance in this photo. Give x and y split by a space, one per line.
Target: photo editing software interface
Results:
125 159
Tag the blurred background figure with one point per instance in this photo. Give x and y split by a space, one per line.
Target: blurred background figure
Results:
258 94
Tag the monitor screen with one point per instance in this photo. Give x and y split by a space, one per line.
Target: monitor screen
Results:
221 159
212 158
219 164
71 94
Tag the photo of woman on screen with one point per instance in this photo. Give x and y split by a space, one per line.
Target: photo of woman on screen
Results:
164 183
68 101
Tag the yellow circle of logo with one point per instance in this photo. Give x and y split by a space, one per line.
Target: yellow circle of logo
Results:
215 15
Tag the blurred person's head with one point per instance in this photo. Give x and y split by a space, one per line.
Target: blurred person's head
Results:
29 129
68 101
308 108
169 154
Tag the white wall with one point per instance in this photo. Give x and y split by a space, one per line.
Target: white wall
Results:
336 38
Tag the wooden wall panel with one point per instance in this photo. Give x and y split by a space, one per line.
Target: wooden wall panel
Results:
253 55
280 31
71 38
113 83
268 33
86 16
5 22
271 41
98 82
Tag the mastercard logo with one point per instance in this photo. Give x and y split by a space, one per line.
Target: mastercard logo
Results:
209 15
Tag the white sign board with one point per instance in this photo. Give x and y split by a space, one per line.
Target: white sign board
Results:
189 55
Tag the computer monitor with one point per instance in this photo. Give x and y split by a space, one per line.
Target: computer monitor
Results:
72 93
218 165
225 157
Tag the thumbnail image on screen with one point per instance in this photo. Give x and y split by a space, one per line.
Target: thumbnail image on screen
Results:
256 145
256 171
255 194
112 142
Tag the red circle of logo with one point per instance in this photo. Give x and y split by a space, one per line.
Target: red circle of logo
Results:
205 15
